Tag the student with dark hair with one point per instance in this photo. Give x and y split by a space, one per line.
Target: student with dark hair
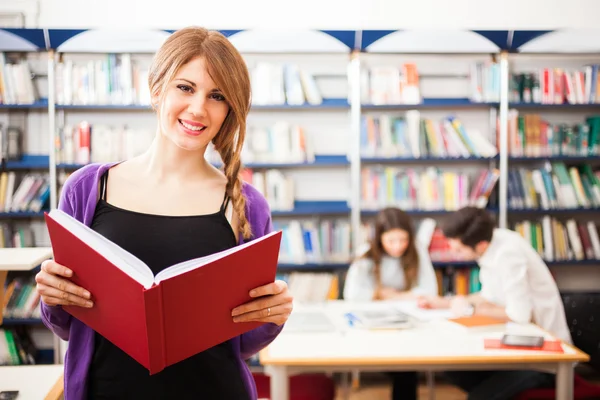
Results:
516 285
394 266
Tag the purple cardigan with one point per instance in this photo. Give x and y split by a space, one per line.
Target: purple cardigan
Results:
78 199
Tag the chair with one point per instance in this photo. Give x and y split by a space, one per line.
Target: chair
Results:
302 387
582 389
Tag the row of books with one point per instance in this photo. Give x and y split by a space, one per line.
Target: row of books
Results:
558 241
278 189
309 241
281 142
16 236
429 189
390 84
17 347
312 287
554 186
116 79
458 281
84 143
16 86
531 136
283 83
556 86
30 192
21 300
413 136
484 82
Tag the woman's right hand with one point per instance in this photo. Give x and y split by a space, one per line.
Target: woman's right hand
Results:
56 289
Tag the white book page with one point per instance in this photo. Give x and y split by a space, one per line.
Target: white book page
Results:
189 265
122 259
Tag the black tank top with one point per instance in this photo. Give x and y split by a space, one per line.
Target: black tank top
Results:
161 241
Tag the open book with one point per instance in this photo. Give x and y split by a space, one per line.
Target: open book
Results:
163 319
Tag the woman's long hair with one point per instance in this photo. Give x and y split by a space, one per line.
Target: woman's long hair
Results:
228 70
386 220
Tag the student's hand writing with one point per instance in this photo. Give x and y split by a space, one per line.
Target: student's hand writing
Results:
273 303
56 289
433 302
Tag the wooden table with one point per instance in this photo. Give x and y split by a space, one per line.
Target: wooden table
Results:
433 344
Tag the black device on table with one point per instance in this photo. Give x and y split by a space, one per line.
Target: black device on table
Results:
523 341
9 394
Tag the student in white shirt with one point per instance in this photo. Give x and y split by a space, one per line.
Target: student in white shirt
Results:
393 267
516 285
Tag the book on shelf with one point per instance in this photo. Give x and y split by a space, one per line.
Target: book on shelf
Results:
17 347
484 82
554 186
30 192
388 84
84 143
146 315
530 135
277 188
550 85
312 287
21 299
283 83
555 240
308 241
16 85
428 189
116 79
412 136
281 142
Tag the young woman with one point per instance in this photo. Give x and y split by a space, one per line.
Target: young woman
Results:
394 266
166 206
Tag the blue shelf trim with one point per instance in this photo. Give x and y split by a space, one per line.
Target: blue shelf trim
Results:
59 36
326 104
432 103
42 103
552 210
315 208
576 159
565 106
354 39
348 38
21 321
22 214
502 39
33 36
29 161
368 37
423 213
424 160
313 266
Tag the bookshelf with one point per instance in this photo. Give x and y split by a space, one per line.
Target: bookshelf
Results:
329 186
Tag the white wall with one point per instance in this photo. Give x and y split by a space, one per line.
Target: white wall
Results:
321 14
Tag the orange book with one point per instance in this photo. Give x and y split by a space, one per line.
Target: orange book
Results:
148 316
477 321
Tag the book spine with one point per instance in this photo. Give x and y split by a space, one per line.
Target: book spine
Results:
153 304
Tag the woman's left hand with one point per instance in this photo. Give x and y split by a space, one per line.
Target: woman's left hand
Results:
273 304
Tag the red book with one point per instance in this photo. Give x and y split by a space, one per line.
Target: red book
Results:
554 346
161 320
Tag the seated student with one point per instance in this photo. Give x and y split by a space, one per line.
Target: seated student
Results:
516 285
393 267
